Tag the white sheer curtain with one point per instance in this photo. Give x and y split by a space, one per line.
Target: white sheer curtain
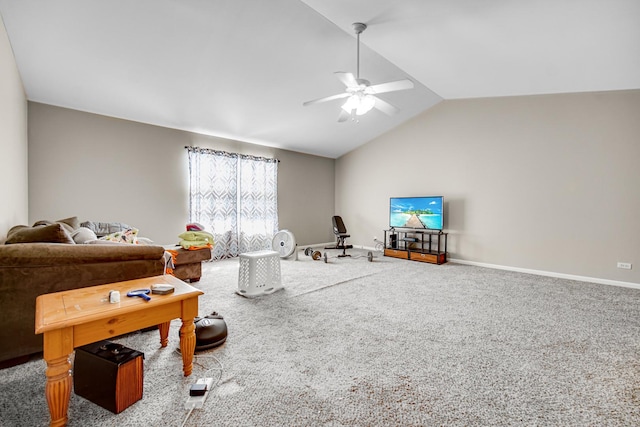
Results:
235 197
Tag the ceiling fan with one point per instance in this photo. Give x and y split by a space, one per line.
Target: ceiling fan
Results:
360 94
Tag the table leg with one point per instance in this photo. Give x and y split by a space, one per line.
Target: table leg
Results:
164 333
57 349
187 345
58 389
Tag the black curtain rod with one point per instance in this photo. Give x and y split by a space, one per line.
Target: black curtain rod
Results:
226 153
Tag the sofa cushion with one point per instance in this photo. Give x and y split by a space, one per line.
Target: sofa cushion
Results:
53 233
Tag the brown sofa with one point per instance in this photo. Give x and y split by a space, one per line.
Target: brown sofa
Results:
31 269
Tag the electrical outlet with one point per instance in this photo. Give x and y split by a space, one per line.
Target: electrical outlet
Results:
625 265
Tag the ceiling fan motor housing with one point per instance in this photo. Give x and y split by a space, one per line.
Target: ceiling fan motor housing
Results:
359 27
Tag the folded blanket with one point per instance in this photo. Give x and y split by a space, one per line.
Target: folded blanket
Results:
197 236
196 239
195 244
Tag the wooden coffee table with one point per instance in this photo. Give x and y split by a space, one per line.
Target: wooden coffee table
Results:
71 319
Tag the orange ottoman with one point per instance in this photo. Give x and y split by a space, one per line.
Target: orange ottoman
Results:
188 263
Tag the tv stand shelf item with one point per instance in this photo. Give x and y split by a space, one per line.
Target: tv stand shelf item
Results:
416 245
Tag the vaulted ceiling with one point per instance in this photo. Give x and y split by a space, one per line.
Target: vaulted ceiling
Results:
241 69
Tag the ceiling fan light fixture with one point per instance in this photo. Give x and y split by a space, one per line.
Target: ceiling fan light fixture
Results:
366 104
359 102
351 104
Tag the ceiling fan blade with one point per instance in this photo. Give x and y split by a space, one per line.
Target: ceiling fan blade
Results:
326 98
385 107
347 79
343 116
391 86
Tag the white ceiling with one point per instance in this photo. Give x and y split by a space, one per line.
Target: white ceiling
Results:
241 69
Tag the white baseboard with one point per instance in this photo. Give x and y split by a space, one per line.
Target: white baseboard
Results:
316 245
549 274
517 269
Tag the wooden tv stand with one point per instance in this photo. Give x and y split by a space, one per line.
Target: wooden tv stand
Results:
416 245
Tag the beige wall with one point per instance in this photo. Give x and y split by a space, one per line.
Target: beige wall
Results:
546 183
13 140
105 169
540 183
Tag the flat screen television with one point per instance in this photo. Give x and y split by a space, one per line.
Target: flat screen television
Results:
416 212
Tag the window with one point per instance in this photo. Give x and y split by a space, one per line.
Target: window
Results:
235 197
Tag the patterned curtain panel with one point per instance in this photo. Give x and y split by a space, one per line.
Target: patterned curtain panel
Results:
258 203
235 197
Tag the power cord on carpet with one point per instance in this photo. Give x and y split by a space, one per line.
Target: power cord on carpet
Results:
188 415
196 361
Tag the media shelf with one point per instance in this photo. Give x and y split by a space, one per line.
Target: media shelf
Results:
416 245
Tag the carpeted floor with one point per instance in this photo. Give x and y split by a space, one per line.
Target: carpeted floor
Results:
388 342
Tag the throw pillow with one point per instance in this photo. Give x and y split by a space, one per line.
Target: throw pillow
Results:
103 228
54 233
70 224
129 235
83 235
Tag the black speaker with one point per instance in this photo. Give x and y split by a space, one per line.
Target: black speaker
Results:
109 375
393 241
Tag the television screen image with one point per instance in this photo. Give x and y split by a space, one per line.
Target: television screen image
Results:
416 212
